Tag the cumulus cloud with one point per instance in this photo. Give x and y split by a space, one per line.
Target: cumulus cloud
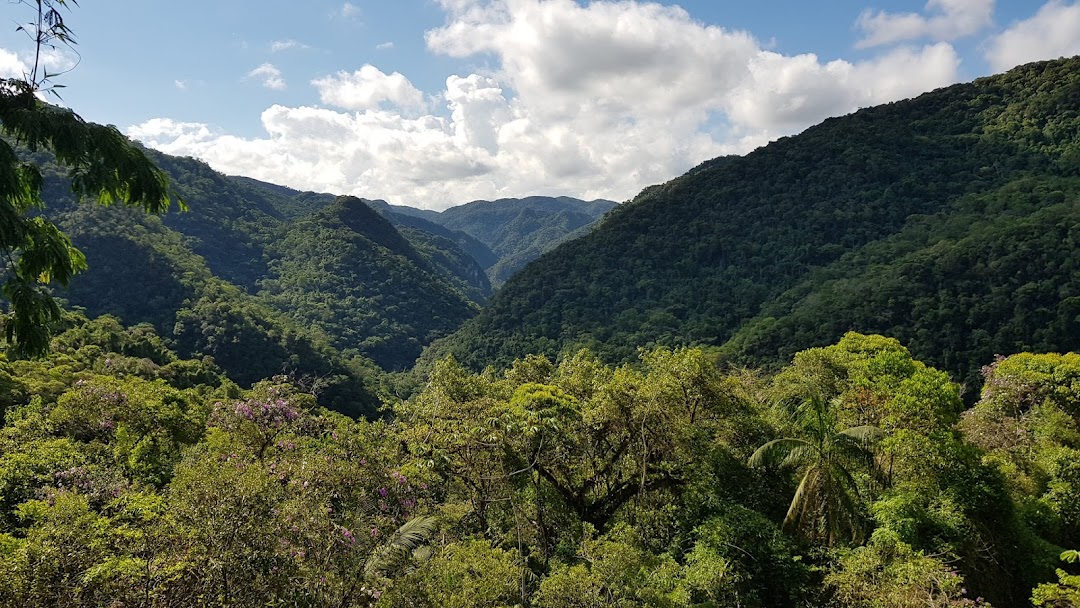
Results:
786 93
941 20
382 46
595 100
11 66
270 75
1054 31
58 60
53 60
368 88
160 131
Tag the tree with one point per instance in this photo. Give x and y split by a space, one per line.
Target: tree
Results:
826 500
102 164
1064 594
889 573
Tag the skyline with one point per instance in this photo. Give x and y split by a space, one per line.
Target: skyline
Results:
436 103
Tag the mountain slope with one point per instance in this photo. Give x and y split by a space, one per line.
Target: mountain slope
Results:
961 287
143 272
520 230
211 279
501 236
693 260
347 271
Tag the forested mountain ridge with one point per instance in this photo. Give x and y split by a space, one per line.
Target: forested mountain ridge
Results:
502 235
411 281
520 230
201 278
144 272
348 271
381 296
693 260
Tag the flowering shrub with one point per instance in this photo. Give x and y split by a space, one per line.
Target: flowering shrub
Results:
258 421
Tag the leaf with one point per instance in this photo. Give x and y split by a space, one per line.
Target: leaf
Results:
405 542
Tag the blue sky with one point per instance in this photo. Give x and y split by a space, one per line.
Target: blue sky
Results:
437 102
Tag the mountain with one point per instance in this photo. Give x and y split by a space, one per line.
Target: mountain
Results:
422 220
520 230
244 278
502 236
143 272
948 220
380 286
349 272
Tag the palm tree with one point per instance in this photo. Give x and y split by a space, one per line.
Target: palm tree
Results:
408 542
826 503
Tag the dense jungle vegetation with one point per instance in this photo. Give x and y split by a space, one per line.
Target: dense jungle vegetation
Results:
853 477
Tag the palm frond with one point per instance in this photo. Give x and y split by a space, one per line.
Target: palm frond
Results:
772 451
797 455
866 435
807 492
405 542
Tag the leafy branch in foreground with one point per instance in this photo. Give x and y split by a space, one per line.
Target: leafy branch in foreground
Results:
102 165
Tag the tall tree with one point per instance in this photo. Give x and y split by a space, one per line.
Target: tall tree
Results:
826 503
102 164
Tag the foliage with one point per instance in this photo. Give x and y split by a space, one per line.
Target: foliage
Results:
461 575
1064 594
887 573
826 500
129 476
102 164
1028 421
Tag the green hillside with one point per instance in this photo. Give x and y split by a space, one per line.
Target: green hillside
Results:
996 275
347 271
520 230
501 236
237 279
143 272
935 201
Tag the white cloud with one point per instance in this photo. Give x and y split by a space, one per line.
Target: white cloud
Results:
368 88
11 66
1053 32
285 45
270 75
944 20
58 60
350 10
384 46
180 84
786 93
165 131
55 61
597 100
